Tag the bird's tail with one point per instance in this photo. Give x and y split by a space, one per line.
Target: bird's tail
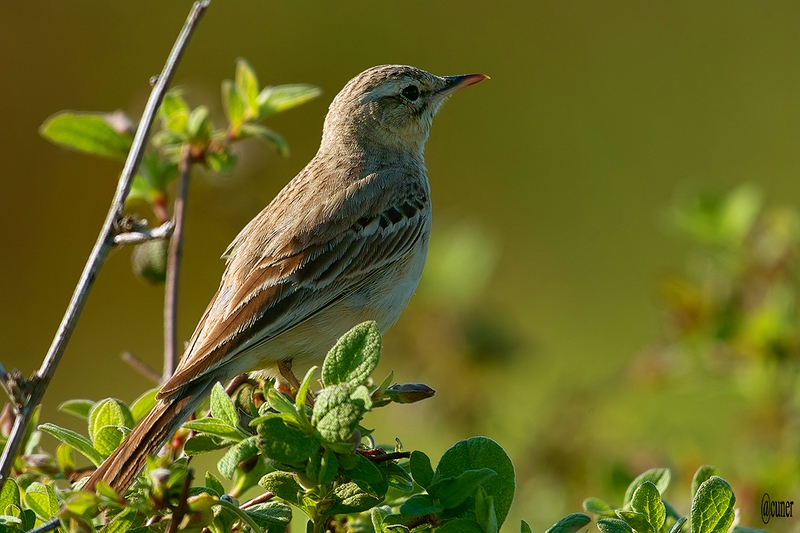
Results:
121 467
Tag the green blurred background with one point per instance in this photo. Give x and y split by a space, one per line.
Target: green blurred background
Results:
553 180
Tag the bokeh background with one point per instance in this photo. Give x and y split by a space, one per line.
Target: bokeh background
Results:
570 310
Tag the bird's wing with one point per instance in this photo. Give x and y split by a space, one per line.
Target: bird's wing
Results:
260 298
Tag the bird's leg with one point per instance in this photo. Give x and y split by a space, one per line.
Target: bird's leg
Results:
289 380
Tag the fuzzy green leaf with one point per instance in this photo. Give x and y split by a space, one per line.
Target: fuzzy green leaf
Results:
216 427
108 438
570 523
701 476
453 492
221 161
477 453
660 477
42 500
647 501
613 525
350 498
484 511
272 516
87 132
636 520
174 111
420 505
338 409
368 477
222 407
109 412
143 404
524 527
240 452
676 527
283 485
9 494
214 484
354 357
460 525
421 469
713 506
79 408
123 522
284 442
77 441
247 87
598 507
200 444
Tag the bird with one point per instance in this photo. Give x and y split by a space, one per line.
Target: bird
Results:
343 242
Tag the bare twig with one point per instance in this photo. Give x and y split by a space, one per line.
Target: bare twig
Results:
140 235
261 498
174 269
105 240
141 367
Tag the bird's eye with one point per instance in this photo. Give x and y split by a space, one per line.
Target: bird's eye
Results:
411 92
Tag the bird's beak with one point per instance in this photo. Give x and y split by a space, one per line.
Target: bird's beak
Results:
455 83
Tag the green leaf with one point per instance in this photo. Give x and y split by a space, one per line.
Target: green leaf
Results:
660 477
279 98
198 126
713 507
214 484
284 442
272 516
174 111
453 492
240 452
598 507
368 477
251 129
397 476
216 427
247 87
524 527
240 513
283 485
460 525
42 500
701 476
323 468
420 505
354 357
79 408
143 404
123 522
109 412
302 396
221 161
647 501
338 409
9 494
569 524
484 511
233 105
86 132
421 469
636 520
77 441
613 525
477 453
200 444
350 498
108 438
222 407
676 527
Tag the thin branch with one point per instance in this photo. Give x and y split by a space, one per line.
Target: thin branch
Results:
174 270
104 242
140 235
141 367
261 498
182 508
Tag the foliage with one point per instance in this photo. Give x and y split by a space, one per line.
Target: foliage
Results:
185 135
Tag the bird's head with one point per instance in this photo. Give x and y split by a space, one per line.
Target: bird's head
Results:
391 106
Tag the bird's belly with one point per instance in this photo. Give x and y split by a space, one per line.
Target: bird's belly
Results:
383 301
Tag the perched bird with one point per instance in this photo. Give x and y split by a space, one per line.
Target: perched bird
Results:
345 241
